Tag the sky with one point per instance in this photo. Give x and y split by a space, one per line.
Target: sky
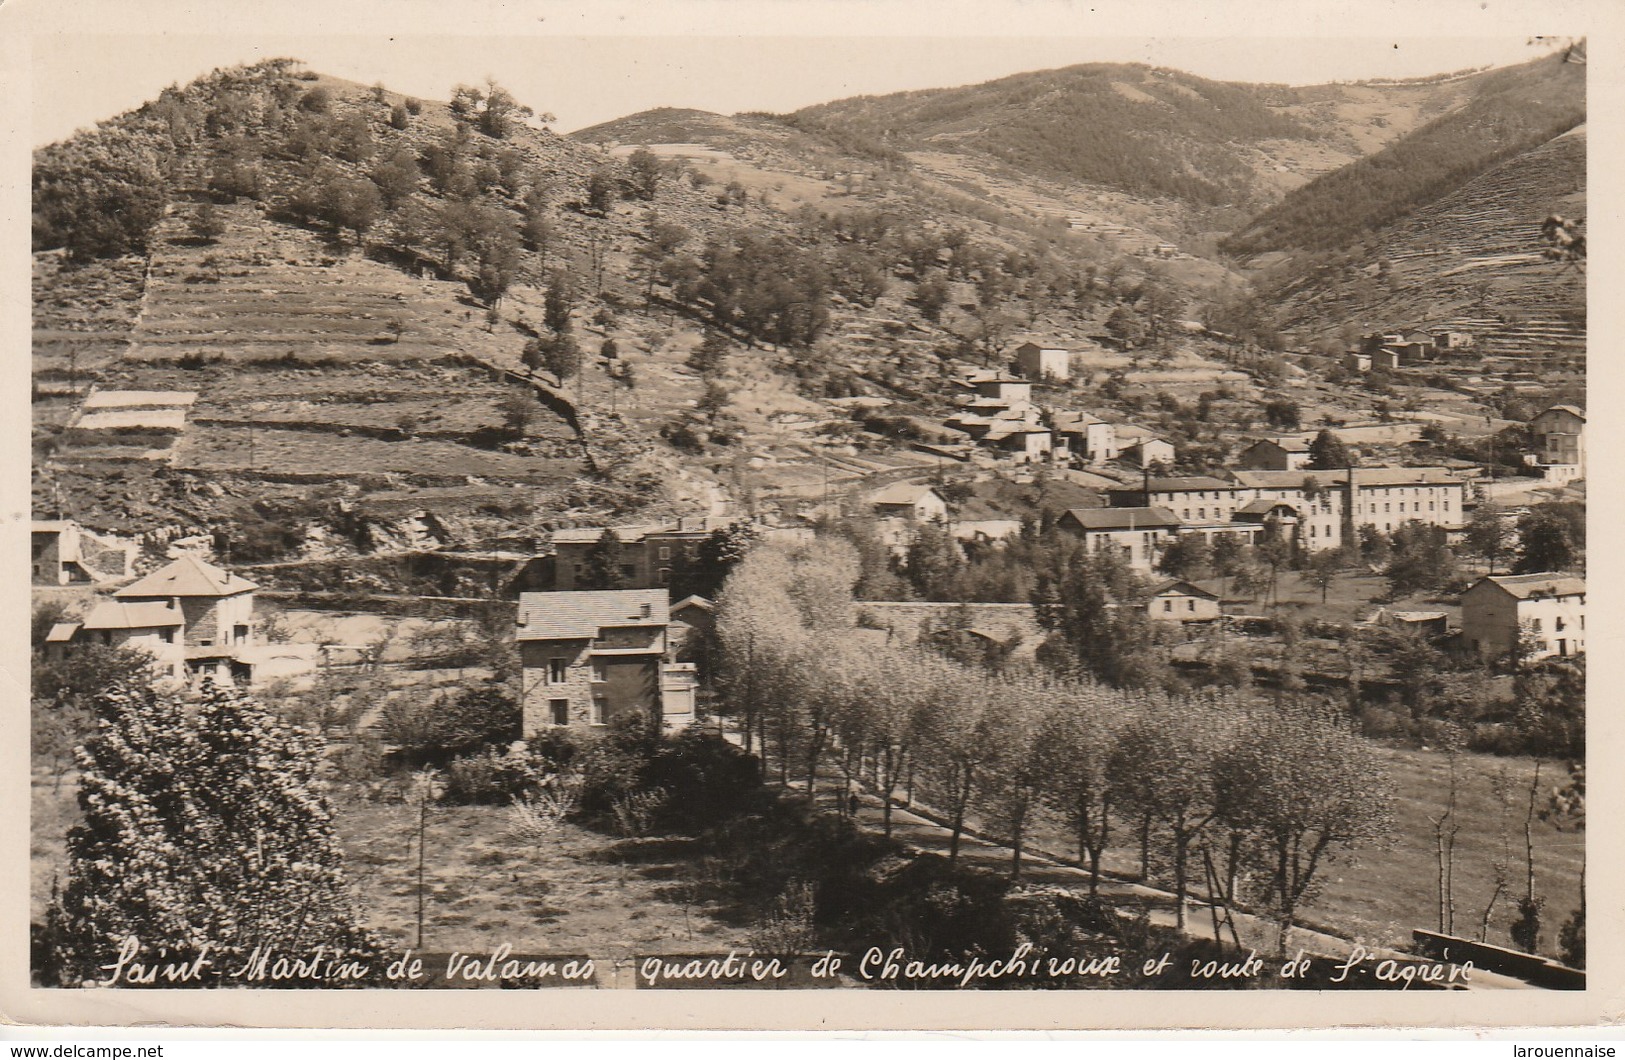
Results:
86 69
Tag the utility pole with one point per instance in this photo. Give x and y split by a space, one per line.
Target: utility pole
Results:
423 816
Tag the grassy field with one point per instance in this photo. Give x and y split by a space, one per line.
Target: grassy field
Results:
1383 892
577 891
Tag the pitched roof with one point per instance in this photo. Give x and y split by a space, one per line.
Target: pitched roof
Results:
589 535
1524 586
1363 476
903 493
580 615
694 600
1122 518
1263 506
62 632
1570 409
1178 484
1183 588
112 614
1291 445
187 576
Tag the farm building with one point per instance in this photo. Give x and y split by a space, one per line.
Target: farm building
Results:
909 500
1275 454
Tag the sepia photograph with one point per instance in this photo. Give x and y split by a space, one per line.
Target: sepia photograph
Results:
678 513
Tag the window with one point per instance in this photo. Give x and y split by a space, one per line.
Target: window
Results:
167 635
665 575
1201 513
559 711
1167 606
665 553
1190 605
1559 624
240 632
206 643
1534 624
598 673
556 670
1387 507
600 710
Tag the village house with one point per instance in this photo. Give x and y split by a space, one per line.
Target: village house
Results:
194 618
1027 445
913 501
1357 361
647 554
1275 454
587 658
1148 453
1136 534
1044 363
1560 433
1182 601
1088 438
1007 390
1549 608
65 553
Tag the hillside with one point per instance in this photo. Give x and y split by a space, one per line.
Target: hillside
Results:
392 309
1509 112
1470 260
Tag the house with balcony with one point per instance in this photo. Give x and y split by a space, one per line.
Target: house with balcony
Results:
1560 431
587 658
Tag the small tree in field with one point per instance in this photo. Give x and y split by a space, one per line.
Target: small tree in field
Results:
204 832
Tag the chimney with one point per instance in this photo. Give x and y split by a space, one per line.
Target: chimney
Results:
648 611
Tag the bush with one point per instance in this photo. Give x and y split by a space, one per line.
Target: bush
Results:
493 778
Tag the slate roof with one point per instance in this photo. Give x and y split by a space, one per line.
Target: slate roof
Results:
1524 586
1183 588
902 493
1123 518
1363 477
186 576
112 614
580 615
1178 484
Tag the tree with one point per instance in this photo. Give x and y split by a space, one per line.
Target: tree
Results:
1127 327
518 411
1327 452
1162 769
204 832
1282 413
1421 559
1488 534
557 303
709 356
601 566
931 295
644 170
1546 542
1306 789
558 354
600 191
1187 557
206 223
1079 742
1322 571
396 177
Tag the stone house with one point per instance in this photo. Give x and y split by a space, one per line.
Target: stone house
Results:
1496 609
1042 363
1275 454
65 553
1137 534
587 658
1560 433
196 619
